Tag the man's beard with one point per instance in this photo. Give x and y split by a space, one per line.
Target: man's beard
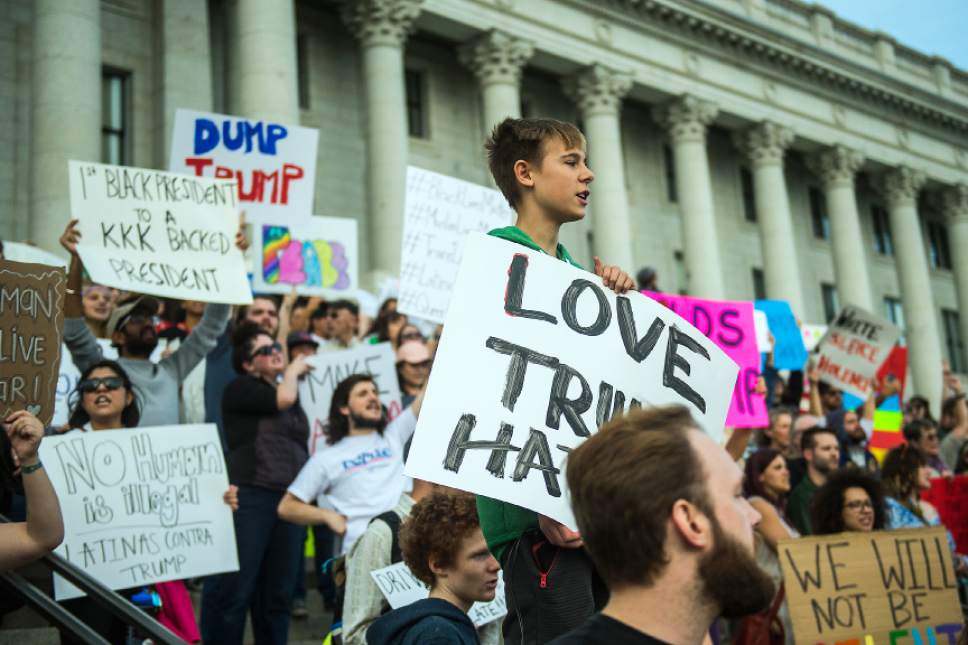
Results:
365 423
138 346
731 578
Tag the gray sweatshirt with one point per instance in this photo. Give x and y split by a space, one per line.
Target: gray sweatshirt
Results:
156 384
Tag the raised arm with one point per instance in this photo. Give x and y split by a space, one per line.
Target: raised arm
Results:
80 342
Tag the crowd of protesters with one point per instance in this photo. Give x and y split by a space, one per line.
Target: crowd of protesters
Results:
677 580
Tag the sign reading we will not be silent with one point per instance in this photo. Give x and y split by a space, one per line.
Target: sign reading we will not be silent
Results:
159 233
536 357
880 587
31 324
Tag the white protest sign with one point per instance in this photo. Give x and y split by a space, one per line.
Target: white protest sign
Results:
141 505
329 368
762 328
401 588
855 345
812 335
536 355
159 232
20 252
69 376
440 211
317 255
274 164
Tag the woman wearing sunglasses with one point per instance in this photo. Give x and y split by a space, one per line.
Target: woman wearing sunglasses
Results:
267 434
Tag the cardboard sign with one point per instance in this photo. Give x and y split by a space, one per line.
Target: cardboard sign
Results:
20 252
536 356
789 351
273 164
812 335
401 588
159 233
880 587
317 255
142 505
31 325
440 211
855 345
950 496
329 368
730 325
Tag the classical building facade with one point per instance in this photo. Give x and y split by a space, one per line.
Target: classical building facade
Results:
744 148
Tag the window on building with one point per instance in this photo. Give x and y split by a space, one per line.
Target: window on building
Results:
938 250
894 311
302 70
818 214
416 87
954 341
669 162
114 117
749 194
883 243
831 301
759 284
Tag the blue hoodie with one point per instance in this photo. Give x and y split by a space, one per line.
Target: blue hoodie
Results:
430 621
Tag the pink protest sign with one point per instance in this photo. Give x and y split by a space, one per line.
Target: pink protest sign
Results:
729 324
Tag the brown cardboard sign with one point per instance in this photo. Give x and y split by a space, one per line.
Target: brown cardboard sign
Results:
866 588
31 325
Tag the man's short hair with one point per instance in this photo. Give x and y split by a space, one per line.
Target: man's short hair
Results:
244 309
808 440
624 481
349 305
320 312
523 139
915 429
435 530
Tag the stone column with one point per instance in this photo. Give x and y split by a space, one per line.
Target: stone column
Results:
184 78
900 190
262 66
598 91
764 145
382 26
955 205
836 168
496 59
685 120
66 119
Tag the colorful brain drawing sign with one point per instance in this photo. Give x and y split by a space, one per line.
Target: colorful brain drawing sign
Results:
309 263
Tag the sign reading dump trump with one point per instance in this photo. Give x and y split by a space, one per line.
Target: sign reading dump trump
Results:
159 232
142 505
880 587
273 164
854 347
31 323
536 355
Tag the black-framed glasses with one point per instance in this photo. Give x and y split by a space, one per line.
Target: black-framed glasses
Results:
859 504
92 384
266 350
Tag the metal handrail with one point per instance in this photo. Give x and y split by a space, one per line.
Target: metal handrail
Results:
53 612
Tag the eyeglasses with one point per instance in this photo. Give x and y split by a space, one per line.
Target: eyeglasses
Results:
859 505
92 384
266 350
421 365
414 335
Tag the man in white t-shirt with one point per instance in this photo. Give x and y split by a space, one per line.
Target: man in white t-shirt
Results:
360 472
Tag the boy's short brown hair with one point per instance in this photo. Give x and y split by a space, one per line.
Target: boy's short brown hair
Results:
624 481
435 529
514 139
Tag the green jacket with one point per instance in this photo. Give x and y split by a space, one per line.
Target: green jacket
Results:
501 522
798 505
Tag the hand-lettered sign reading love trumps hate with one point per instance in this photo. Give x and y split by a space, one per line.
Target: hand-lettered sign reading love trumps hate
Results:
854 347
31 324
274 164
730 325
142 505
158 232
879 587
536 356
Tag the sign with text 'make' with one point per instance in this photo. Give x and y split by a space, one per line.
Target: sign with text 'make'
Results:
31 324
317 255
401 588
536 355
159 232
854 347
329 368
440 211
142 505
880 587
274 164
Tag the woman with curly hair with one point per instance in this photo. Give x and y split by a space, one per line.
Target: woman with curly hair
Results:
851 500
444 548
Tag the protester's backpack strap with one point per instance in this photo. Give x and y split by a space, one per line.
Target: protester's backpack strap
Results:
391 519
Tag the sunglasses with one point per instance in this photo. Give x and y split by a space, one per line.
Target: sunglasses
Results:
92 384
266 350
